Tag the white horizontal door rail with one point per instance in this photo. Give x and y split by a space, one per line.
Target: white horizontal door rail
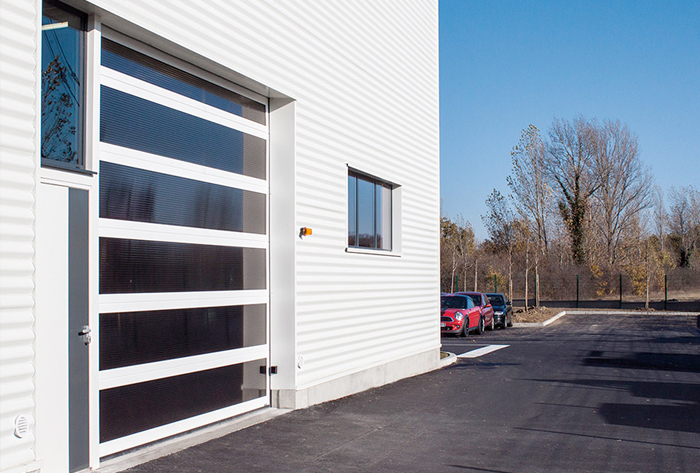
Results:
112 303
174 167
176 234
178 366
153 93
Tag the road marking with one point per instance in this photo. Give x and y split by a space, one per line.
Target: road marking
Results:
481 351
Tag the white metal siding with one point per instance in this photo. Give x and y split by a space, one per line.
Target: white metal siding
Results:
365 77
17 151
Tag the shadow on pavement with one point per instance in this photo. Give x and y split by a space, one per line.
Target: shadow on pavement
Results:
647 361
681 416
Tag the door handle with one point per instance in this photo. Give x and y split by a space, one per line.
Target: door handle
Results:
85 333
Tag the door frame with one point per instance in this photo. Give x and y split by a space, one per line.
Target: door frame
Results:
129 302
57 406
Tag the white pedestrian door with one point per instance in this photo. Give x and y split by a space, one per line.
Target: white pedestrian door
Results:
62 332
183 248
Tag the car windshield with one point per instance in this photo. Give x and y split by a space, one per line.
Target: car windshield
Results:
497 300
453 302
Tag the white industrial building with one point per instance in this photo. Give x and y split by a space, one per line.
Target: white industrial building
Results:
207 208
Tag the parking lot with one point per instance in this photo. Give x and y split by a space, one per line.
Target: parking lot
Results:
588 393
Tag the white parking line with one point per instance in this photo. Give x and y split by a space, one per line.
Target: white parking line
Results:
481 351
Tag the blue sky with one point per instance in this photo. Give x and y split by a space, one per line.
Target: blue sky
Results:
506 64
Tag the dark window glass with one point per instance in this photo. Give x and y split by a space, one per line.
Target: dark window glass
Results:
137 407
136 123
453 302
139 266
498 300
365 213
132 338
352 210
383 215
62 86
369 212
133 194
140 66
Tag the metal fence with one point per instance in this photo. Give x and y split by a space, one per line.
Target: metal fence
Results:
679 290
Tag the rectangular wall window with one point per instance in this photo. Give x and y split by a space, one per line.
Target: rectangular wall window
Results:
62 86
369 212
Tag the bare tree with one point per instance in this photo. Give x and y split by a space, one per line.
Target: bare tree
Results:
524 237
571 157
531 191
684 222
625 186
660 215
499 223
456 243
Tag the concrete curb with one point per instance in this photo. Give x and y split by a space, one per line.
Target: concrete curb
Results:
451 358
629 312
601 312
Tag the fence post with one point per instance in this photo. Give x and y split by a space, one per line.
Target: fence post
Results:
495 283
457 282
620 290
665 291
577 291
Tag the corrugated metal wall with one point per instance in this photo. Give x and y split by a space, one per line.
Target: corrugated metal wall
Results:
365 77
17 154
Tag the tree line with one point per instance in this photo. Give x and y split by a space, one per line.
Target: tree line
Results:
581 203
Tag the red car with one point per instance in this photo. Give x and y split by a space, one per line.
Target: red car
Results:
459 315
482 301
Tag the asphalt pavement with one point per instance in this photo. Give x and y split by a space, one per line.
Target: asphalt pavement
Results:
593 393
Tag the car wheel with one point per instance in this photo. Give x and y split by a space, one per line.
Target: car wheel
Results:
480 327
493 324
505 323
510 324
465 328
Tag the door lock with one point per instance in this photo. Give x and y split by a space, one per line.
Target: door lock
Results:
85 333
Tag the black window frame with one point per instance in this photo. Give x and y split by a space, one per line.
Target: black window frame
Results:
354 241
80 163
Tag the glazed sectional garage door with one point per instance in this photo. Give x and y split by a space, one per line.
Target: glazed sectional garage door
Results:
183 249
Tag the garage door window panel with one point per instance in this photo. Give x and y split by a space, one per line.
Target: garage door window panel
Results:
142 67
136 123
132 194
178 333
140 266
137 407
